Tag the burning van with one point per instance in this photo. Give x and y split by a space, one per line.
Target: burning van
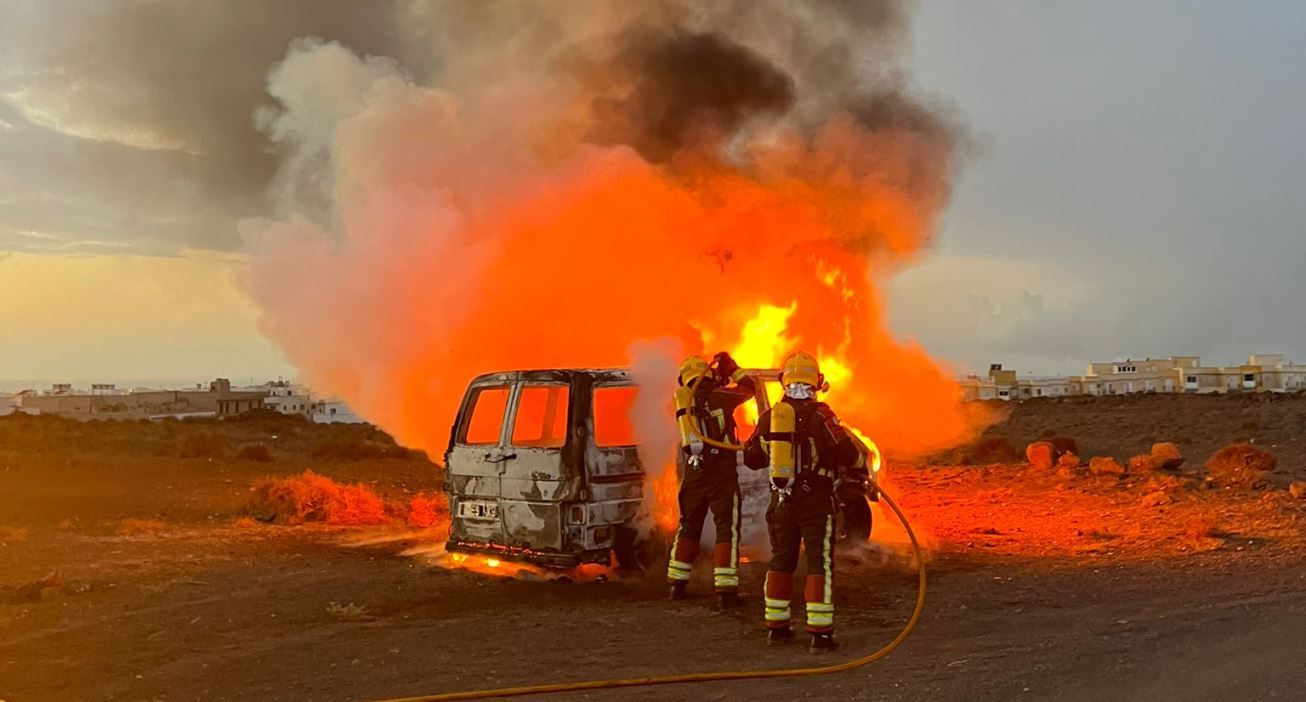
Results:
542 467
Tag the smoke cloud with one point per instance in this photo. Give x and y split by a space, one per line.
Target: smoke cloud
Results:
565 180
433 189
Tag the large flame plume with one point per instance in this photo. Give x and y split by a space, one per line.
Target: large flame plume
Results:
651 175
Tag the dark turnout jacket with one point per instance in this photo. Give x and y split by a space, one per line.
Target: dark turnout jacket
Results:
824 451
715 402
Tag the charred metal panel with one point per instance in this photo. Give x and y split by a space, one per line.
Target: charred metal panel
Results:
535 483
616 462
533 525
537 474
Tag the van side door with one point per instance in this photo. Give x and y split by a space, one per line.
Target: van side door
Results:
535 481
477 452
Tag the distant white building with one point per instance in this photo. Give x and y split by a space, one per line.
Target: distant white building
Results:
10 403
1177 374
335 412
287 399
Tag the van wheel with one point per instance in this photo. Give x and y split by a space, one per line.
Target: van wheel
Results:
639 554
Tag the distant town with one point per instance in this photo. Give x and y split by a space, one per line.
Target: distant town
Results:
219 400
1177 374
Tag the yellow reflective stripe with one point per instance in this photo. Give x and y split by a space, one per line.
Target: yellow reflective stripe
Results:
678 570
777 616
739 375
777 603
671 555
829 559
734 532
726 581
725 571
820 620
819 607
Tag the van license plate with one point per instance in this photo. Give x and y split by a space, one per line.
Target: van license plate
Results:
478 509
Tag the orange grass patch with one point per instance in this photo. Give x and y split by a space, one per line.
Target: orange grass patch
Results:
309 497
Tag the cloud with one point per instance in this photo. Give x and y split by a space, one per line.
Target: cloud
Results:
134 120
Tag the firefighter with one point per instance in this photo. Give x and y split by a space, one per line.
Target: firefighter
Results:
707 397
812 461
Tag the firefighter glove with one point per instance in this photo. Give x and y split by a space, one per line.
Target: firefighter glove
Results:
725 365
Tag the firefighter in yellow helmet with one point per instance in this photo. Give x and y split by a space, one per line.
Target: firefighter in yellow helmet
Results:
705 406
800 441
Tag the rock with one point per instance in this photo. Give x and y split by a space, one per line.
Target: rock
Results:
1159 498
1040 455
1166 456
1297 490
1105 465
1241 465
36 591
1142 464
1068 460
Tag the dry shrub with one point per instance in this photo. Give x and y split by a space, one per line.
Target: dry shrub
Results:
309 497
428 510
1241 465
245 523
205 444
348 612
255 452
136 527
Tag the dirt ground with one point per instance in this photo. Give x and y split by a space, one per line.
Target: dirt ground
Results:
1042 586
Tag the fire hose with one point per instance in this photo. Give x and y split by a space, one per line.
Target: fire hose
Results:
588 685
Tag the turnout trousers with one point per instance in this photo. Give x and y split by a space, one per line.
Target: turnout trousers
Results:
705 489
808 523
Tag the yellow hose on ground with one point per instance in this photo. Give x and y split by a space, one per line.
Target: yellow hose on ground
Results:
719 676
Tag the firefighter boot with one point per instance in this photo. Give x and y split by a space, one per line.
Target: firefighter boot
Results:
729 600
678 591
779 635
823 642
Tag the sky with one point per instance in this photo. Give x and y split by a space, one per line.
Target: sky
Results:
1133 187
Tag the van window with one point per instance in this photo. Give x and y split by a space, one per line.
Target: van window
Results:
541 419
484 421
612 407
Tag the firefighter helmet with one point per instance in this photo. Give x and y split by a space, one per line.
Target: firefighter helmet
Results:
693 368
802 367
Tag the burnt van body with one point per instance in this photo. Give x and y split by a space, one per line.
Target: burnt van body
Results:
542 466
